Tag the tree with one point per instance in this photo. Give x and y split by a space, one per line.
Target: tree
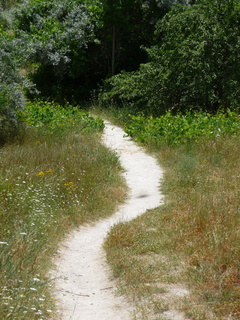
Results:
195 63
127 26
58 33
7 4
12 84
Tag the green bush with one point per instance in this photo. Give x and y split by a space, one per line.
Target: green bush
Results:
12 84
55 118
182 128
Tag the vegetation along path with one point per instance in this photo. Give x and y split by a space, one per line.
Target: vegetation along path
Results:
83 285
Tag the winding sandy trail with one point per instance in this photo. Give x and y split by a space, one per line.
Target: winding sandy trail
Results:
83 285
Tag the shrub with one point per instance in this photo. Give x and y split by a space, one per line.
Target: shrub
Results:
55 118
12 85
181 129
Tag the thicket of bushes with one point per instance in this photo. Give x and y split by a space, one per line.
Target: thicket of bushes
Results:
180 129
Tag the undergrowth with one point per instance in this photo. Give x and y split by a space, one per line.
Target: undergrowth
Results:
193 239
182 128
56 118
56 177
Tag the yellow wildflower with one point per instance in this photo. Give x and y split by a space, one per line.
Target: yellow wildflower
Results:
69 184
41 173
49 171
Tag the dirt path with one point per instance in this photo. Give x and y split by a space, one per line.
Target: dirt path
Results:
83 285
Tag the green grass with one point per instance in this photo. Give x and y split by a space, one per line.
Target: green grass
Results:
57 177
192 241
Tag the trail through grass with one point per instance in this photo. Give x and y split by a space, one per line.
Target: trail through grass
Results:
192 241
57 177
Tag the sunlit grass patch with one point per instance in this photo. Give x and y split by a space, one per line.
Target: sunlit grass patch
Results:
142 260
49 183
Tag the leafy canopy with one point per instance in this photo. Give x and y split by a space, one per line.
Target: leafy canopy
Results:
57 34
195 62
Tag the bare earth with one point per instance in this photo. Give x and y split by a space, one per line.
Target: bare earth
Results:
83 285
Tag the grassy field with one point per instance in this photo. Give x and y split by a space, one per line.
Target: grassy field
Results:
192 242
56 177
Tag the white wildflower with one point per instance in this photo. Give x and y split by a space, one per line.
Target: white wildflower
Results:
36 279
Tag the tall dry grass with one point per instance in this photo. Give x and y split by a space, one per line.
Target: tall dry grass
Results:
193 240
49 183
203 186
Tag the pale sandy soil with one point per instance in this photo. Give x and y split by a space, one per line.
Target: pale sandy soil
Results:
83 285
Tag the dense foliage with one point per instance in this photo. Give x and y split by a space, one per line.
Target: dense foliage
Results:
76 44
12 84
7 4
182 129
195 62
57 34
55 118
128 25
